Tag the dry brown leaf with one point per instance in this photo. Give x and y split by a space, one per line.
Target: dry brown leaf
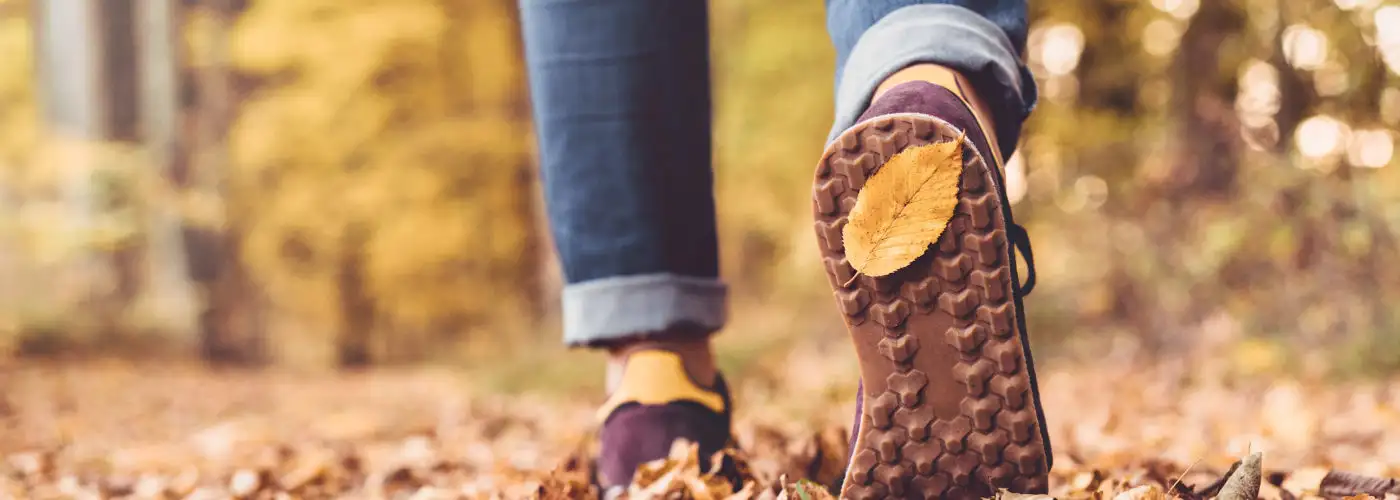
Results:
206 493
903 208
679 474
782 488
664 487
806 490
566 485
745 493
1007 495
1144 492
1270 492
1110 488
822 457
654 471
1305 481
1086 480
246 482
431 493
1209 490
833 446
1244 482
483 461
707 488
311 469
1345 484
398 480
732 464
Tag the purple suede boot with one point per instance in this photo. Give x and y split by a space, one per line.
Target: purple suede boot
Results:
656 404
948 406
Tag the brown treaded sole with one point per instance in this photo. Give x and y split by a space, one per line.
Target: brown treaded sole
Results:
948 410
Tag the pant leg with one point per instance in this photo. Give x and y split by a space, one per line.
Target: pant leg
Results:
982 39
621 98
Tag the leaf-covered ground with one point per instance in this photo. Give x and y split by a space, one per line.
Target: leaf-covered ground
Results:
124 431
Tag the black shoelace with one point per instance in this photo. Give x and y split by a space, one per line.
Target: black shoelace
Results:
1021 242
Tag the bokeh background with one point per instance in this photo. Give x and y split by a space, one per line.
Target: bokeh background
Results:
298 245
343 183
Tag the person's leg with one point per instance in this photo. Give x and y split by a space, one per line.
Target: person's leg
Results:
981 40
621 99
948 406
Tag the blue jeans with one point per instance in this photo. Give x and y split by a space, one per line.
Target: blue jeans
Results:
622 112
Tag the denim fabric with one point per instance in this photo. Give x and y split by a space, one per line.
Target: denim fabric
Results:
981 39
621 100
847 20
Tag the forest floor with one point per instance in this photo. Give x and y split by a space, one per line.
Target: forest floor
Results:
123 430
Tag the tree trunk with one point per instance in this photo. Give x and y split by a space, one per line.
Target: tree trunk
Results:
168 291
1208 141
121 101
68 63
121 77
86 52
231 320
356 306
1295 95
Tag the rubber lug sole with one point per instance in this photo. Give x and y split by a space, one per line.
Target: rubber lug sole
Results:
949 411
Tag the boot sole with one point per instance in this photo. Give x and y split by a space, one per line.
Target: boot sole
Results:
949 410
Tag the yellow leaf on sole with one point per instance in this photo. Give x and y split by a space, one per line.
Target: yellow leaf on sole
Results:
903 208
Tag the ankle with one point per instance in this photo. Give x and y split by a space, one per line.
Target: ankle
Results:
947 78
696 355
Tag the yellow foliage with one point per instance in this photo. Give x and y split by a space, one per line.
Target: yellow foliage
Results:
397 120
18 110
1255 356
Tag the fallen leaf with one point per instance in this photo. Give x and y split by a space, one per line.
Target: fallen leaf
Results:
566 485
1144 492
310 470
1268 491
1244 483
246 482
397 480
431 493
1346 484
33 464
745 493
118 455
1003 494
1110 488
1305 481
206 493
903 208
823 456
1085 481
808 490
707 488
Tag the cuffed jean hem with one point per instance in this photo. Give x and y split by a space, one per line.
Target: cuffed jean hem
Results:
947 35
634 307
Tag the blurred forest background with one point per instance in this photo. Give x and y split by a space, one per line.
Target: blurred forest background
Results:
341 183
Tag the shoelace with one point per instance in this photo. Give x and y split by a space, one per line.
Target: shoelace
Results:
1021 242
